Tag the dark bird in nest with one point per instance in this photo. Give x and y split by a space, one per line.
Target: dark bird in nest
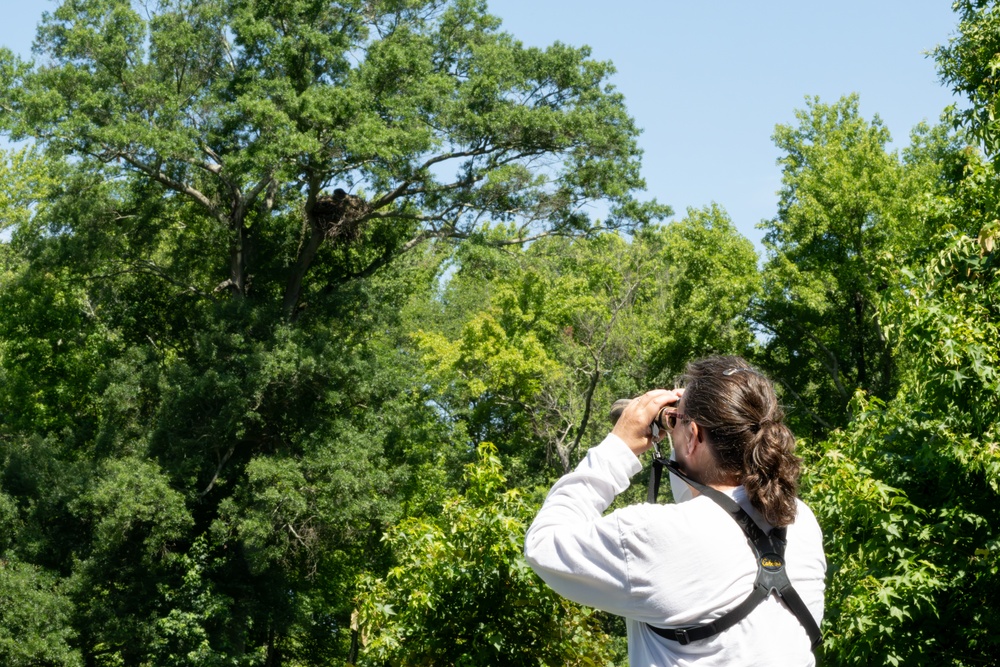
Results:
339 215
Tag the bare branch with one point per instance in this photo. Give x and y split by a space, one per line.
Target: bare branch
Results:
174 185
207 150
295 534
403 188
218 470
257 189
801 403
206 166
147 266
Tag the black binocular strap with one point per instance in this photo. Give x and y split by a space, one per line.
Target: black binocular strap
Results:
769 550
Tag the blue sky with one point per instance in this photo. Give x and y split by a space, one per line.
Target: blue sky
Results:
708 81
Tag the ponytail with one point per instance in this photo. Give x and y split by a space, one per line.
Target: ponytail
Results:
771 473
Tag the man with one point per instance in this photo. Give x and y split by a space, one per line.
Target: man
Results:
686 565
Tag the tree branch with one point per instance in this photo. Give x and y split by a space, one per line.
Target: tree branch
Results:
798 399
403 188
175 185
387 256
588 399
257 189
147 266
218 471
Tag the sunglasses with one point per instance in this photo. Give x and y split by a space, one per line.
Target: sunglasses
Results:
669 419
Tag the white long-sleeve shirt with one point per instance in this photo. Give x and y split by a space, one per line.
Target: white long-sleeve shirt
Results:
671 566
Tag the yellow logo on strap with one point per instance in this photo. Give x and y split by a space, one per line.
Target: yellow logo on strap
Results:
771 562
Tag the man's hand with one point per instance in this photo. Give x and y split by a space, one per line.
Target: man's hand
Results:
633 426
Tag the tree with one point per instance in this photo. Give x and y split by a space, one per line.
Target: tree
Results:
35 626
708 280
529 364
535 346
841 206
26 180
207 307
907 493
422 116
968 64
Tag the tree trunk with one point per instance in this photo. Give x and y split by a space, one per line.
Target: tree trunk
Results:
239 249
293 291
859 320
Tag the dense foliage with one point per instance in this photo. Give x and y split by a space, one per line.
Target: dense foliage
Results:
301 312
460 594
908 492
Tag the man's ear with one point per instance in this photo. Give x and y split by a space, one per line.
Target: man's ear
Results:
697 434
695 440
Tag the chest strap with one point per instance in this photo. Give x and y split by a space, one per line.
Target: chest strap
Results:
769 551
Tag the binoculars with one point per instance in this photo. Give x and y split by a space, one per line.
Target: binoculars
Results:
618 407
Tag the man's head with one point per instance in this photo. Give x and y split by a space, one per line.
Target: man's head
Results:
732 407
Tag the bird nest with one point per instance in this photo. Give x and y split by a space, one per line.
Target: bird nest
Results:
340 215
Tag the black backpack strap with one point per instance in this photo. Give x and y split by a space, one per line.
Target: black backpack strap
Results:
655 475
769 550
801 611
729 619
